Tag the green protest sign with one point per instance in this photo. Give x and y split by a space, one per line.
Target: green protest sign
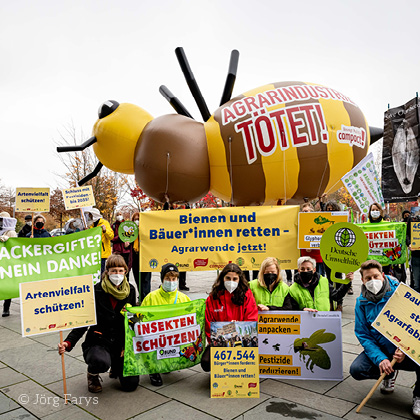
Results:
163 338
344 248
128 231
32 259
386 241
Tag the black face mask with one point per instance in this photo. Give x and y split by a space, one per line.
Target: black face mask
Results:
39 225
269 278
306 277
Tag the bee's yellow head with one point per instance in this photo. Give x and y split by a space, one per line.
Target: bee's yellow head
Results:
117 132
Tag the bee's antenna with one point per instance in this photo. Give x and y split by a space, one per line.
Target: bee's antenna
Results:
174 101
231 77
88 177
77 148
192 84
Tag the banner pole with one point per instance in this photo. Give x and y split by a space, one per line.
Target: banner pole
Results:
377 383
82 216
32 225
63 367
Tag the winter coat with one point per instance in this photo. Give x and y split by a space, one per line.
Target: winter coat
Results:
106 237
279 299
224 310
161 297
23 233
109 331
372 341
320 300
117 244
39 233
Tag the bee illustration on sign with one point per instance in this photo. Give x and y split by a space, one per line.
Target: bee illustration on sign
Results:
321 220
279 142
128 231
311 352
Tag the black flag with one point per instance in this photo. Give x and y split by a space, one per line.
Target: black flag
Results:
401 153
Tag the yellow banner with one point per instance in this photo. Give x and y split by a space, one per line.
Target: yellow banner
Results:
234 372
399 321
78 197
208 239
313 225
415 236
58 304
36 200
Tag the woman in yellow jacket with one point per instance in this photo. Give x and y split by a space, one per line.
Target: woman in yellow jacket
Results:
93 219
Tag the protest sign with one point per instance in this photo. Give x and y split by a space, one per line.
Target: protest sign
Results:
128 231
208 239
344 248
386 241
78 197
399 321
57 304
300 345
234 372
312 226
36 200
33 259
415 236
362 182
229 334
163 338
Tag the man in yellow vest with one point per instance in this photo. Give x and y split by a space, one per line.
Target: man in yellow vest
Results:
312 291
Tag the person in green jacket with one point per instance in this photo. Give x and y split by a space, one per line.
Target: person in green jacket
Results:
311 291
269 291
167 294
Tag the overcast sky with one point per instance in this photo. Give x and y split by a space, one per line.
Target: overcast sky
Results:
61 59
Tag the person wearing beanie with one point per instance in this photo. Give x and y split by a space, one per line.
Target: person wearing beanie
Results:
93 219
167 294
27 227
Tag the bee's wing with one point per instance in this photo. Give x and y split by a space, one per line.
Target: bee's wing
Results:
320 336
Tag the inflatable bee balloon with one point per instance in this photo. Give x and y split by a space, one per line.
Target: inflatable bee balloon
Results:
280 142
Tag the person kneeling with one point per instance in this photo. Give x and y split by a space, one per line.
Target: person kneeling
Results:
378 352
166 294
103 347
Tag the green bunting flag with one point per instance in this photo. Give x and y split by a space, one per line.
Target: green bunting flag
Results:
163 338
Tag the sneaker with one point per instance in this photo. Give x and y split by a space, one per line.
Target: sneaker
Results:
155 379
388 385
339 307
5 313
94 384
416 407
184 288
350 291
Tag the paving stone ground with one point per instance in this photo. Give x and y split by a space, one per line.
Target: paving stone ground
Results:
31 385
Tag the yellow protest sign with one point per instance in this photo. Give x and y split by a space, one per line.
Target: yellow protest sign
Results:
57 304
313 225
36 200
234 372
78 197
208 239
399 321
415 236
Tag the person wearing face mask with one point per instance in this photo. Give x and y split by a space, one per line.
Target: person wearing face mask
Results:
230 299
27 227
269 291
103 347
143 279
93 219
167 294
378 352
119 246
312 291
39 230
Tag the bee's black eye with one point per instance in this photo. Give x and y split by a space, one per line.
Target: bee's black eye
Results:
108 107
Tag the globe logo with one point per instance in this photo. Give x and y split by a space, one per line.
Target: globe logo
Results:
345 237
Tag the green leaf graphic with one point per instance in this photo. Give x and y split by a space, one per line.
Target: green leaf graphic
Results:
345 237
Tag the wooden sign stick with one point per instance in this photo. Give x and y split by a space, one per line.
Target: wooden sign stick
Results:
377 383
64 371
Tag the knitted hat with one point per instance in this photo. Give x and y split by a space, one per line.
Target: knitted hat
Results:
168 268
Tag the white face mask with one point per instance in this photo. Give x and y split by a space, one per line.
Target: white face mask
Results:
136 222
169 286
374 286
29 223
117 279
119 218
231 285
375 214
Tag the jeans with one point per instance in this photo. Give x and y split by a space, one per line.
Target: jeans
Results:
363 368
99 360
415 265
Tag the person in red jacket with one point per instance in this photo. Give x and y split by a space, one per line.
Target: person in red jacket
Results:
230 299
